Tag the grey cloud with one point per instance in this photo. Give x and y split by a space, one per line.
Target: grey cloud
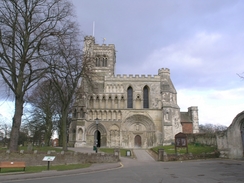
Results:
139 28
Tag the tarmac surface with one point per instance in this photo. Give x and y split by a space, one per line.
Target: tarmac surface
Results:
204 170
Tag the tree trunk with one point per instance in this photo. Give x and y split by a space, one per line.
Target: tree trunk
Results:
60 137
48 133
14 136
64 128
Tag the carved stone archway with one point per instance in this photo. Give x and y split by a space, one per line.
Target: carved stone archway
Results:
135 127
242 135
91 132
231 142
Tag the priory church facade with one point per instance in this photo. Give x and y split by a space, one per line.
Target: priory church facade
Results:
127 111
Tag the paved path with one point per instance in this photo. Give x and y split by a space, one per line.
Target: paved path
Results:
142 155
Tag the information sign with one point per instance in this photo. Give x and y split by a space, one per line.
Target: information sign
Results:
48 158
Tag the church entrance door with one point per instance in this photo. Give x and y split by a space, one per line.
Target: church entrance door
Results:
97 138
137 141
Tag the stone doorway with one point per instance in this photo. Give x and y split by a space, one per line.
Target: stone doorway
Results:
137 141
97 138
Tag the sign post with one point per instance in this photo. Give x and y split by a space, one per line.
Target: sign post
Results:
48 159
181 141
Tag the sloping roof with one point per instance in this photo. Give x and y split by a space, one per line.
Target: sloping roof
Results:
185 118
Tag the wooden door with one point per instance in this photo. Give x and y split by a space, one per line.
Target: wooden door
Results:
137 141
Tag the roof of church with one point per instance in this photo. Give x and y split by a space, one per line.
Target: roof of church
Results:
185 118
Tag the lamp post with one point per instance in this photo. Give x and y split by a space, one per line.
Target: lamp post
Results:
96 134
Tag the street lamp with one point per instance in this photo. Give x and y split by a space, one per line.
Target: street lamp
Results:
96 134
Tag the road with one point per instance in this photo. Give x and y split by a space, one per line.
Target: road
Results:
145 170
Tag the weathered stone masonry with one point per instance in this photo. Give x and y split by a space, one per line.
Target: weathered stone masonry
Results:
133 111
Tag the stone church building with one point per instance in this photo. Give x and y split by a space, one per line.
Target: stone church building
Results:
128 111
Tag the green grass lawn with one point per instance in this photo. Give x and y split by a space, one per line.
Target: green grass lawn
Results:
34 169
192 148
170 149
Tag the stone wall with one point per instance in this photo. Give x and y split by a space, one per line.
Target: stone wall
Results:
222 144
230 142
202 138
163 156
34 159
183 157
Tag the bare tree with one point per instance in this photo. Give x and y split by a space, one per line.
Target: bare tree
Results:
45 107
5 129
34 128
69 67
26 30
211 128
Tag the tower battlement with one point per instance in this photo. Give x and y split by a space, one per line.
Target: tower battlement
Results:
90 38
131 76
163 71
104 46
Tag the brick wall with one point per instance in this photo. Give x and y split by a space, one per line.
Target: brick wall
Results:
187 127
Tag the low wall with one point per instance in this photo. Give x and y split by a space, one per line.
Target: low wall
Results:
181 157
202 138
153 154
60 158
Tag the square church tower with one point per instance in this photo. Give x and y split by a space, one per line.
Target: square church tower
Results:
132 111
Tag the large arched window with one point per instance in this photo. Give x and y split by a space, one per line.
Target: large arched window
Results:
130 97
145 97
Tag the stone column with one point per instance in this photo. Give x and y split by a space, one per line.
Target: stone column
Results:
106 101
94 101
194 117
119 99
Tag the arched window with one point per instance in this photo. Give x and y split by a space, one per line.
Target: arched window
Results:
130 97
105 60
145 97
97 62
82 113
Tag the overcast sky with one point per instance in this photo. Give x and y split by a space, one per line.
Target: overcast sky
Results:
201 42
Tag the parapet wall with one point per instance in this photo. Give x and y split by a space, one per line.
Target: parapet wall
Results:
134 77
104 46
163 71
